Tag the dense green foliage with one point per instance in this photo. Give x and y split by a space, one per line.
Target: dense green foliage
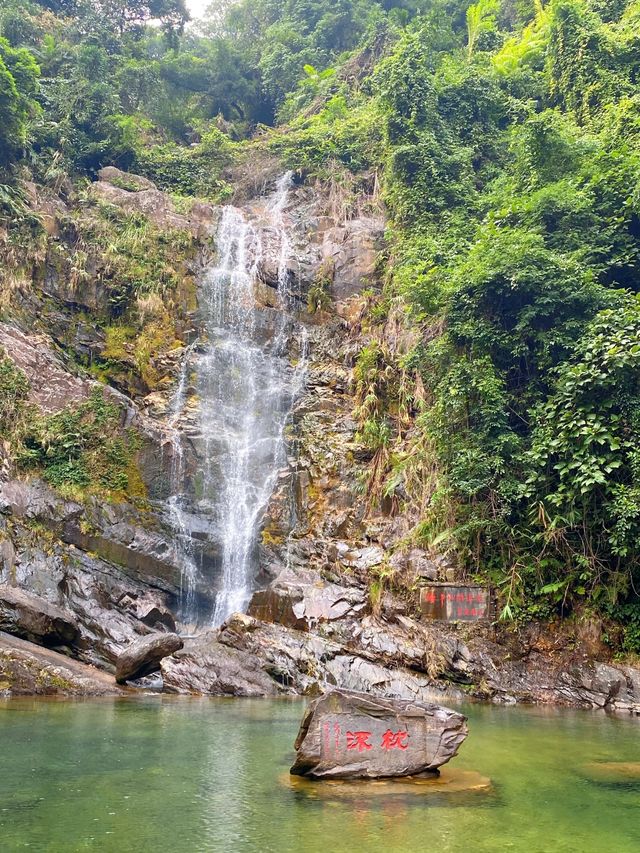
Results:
79 447
509 141
114 90
505 138
516 193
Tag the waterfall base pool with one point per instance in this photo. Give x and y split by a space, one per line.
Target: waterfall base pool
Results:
172 774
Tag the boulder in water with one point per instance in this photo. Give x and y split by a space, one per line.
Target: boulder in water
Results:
144 655
350 735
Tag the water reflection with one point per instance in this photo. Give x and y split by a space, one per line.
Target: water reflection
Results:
163 773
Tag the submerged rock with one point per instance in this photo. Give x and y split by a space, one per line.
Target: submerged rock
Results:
144 656
351 735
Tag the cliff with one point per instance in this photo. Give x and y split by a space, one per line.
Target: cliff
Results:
100 323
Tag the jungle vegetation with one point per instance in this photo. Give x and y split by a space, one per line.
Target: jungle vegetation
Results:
504 138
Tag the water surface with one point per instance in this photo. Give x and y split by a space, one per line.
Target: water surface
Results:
173 774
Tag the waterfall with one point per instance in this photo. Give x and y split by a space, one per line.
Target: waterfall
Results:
178 499
246 386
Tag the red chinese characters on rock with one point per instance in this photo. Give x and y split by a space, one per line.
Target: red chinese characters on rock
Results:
358 740
394 740
452 603
362 741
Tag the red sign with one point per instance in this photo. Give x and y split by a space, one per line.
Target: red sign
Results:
450 603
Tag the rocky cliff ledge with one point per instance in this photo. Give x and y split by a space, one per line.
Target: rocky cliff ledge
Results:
86 574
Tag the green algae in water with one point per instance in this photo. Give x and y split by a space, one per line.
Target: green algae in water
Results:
171 774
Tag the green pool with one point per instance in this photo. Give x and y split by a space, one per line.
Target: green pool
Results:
171 774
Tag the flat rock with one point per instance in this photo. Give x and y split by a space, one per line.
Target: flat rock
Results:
30 670
33 618
143 656
349 735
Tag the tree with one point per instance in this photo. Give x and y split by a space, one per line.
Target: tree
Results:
129 15
481 18
18 80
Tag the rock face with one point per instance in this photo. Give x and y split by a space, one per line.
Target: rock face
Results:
247 657
30 670
91 563
51 387
32 618
143 656
303 599
206 666
351 735
338 569
352 249
135 193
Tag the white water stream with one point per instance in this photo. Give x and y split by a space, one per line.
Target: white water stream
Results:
246 387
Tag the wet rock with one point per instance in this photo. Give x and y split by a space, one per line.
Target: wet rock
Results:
350 735
595 685
113 531
110 607
33 618
156 616
541 665
143 656
29 670
205 666
302 599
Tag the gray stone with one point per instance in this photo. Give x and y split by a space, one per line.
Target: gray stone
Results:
205 666
32 618
305 663
30 670
113 531
144 655
351 735
302 599
422 566
352 248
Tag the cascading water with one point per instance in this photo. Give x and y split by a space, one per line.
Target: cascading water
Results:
178 499
246 387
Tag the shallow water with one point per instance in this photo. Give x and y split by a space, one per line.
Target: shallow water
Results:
172 774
